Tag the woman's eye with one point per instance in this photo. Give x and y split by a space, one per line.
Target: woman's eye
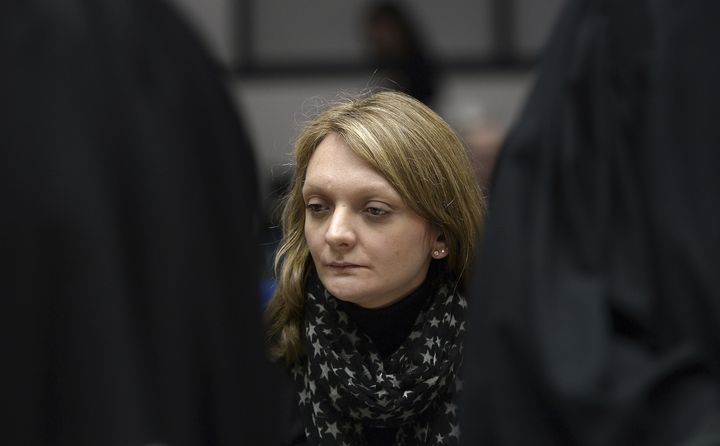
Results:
315 208
375 211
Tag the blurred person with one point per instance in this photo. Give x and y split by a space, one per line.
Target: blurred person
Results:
483 141
378 229
482 137
597 294
129 307
398 53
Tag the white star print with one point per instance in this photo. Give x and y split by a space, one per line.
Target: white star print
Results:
325 369
414 335
304 396
317 347
332 429
439 438
354 338
429 342
342 317
334 394
310 331
454 431
426 357
316 408
450 408
434 322
350 373
393 380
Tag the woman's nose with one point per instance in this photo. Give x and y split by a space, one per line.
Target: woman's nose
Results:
340 232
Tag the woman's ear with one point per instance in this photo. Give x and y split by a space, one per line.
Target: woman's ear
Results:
439 247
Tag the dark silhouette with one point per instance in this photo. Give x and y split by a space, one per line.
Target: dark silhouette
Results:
398 53
129 292
597 295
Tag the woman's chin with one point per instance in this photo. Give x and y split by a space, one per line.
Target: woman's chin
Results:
344 292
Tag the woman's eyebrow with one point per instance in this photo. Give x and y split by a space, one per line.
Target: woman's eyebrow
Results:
360 188
367 189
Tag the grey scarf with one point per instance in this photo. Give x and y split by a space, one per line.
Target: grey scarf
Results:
344 385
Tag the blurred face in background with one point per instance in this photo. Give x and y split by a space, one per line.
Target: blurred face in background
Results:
368 246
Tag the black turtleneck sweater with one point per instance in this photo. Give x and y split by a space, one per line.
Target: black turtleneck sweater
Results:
388 327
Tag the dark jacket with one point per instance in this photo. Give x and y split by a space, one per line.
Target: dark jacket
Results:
597 296
129 308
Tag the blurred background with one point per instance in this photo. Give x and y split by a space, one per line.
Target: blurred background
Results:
471 60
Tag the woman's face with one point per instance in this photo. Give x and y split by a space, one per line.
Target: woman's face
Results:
368 247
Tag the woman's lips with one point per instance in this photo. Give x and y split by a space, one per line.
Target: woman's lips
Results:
343 266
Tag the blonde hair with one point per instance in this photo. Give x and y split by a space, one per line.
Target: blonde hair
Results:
417 153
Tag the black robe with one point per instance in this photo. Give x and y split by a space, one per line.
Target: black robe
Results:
595 317
129 301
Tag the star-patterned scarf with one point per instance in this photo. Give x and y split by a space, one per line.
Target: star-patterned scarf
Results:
345 385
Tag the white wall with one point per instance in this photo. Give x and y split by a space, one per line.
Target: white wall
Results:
287 31
275 111
306 31
331 30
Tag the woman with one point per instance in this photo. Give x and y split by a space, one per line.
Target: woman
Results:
379 226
